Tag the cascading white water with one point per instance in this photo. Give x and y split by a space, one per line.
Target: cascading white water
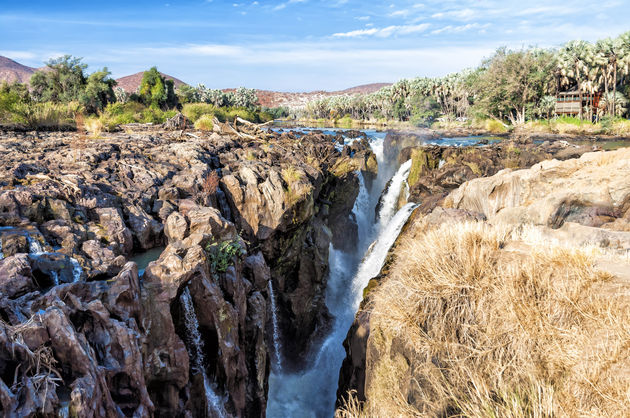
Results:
77 271
276 329
361 211
55 278
390 198
312 393
374 259
34 246
195 350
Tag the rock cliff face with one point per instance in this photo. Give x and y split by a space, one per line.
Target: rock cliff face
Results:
80 331
570 203
437 170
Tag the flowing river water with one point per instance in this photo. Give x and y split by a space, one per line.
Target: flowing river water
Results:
312 392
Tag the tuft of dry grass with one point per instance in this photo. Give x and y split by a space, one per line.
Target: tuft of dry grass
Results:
473 320
204 123
94 126
290 174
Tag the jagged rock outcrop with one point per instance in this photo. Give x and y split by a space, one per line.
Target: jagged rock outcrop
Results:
437 170
74 210
591 191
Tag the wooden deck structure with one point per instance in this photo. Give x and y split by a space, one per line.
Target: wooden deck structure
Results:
569 104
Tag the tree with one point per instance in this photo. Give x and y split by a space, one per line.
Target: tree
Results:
573 61
186 94
244 97
98 91
62 80
512 82
156 91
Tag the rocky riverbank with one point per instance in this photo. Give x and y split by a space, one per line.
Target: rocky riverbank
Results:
517 283
83 334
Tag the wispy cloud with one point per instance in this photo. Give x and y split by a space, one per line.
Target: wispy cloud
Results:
458 14
19 55
460 28
385 32
285 4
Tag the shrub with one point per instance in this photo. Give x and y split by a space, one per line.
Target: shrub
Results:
221 255
204 123
153 115
345 122
621 127
94 126
55 116
495 126
194 111
242 113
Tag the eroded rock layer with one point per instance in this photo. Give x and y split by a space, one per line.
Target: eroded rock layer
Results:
82 333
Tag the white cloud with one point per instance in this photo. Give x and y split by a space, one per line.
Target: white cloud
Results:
18 55
385 32
460 28
459 14
285 4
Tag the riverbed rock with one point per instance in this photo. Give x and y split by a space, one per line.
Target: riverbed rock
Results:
16 277
553 192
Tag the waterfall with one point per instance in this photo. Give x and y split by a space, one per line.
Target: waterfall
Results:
373 261
312 392
276 329
55 277
1 253
34 246
361 211
77 271
195 350
390 199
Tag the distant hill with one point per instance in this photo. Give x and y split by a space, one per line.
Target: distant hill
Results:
11 71
275 99
365 88
131 82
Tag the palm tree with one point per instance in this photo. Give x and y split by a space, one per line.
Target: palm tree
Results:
573 59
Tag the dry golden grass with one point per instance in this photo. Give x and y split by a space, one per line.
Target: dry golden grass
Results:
94 126
474 321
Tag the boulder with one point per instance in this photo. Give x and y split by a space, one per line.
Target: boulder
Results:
16 277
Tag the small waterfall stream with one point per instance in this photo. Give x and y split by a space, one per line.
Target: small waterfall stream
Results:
312 392
36 249
390 198
195 350
276 329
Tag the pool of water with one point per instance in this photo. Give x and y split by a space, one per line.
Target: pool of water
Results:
143 259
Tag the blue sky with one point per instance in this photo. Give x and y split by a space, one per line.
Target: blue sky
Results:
295 45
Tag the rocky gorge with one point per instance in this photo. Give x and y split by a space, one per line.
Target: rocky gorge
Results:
264 241
84 335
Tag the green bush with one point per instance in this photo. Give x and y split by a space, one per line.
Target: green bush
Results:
193 111
116 114
242 113
221 254
47 115
345 122
204 123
